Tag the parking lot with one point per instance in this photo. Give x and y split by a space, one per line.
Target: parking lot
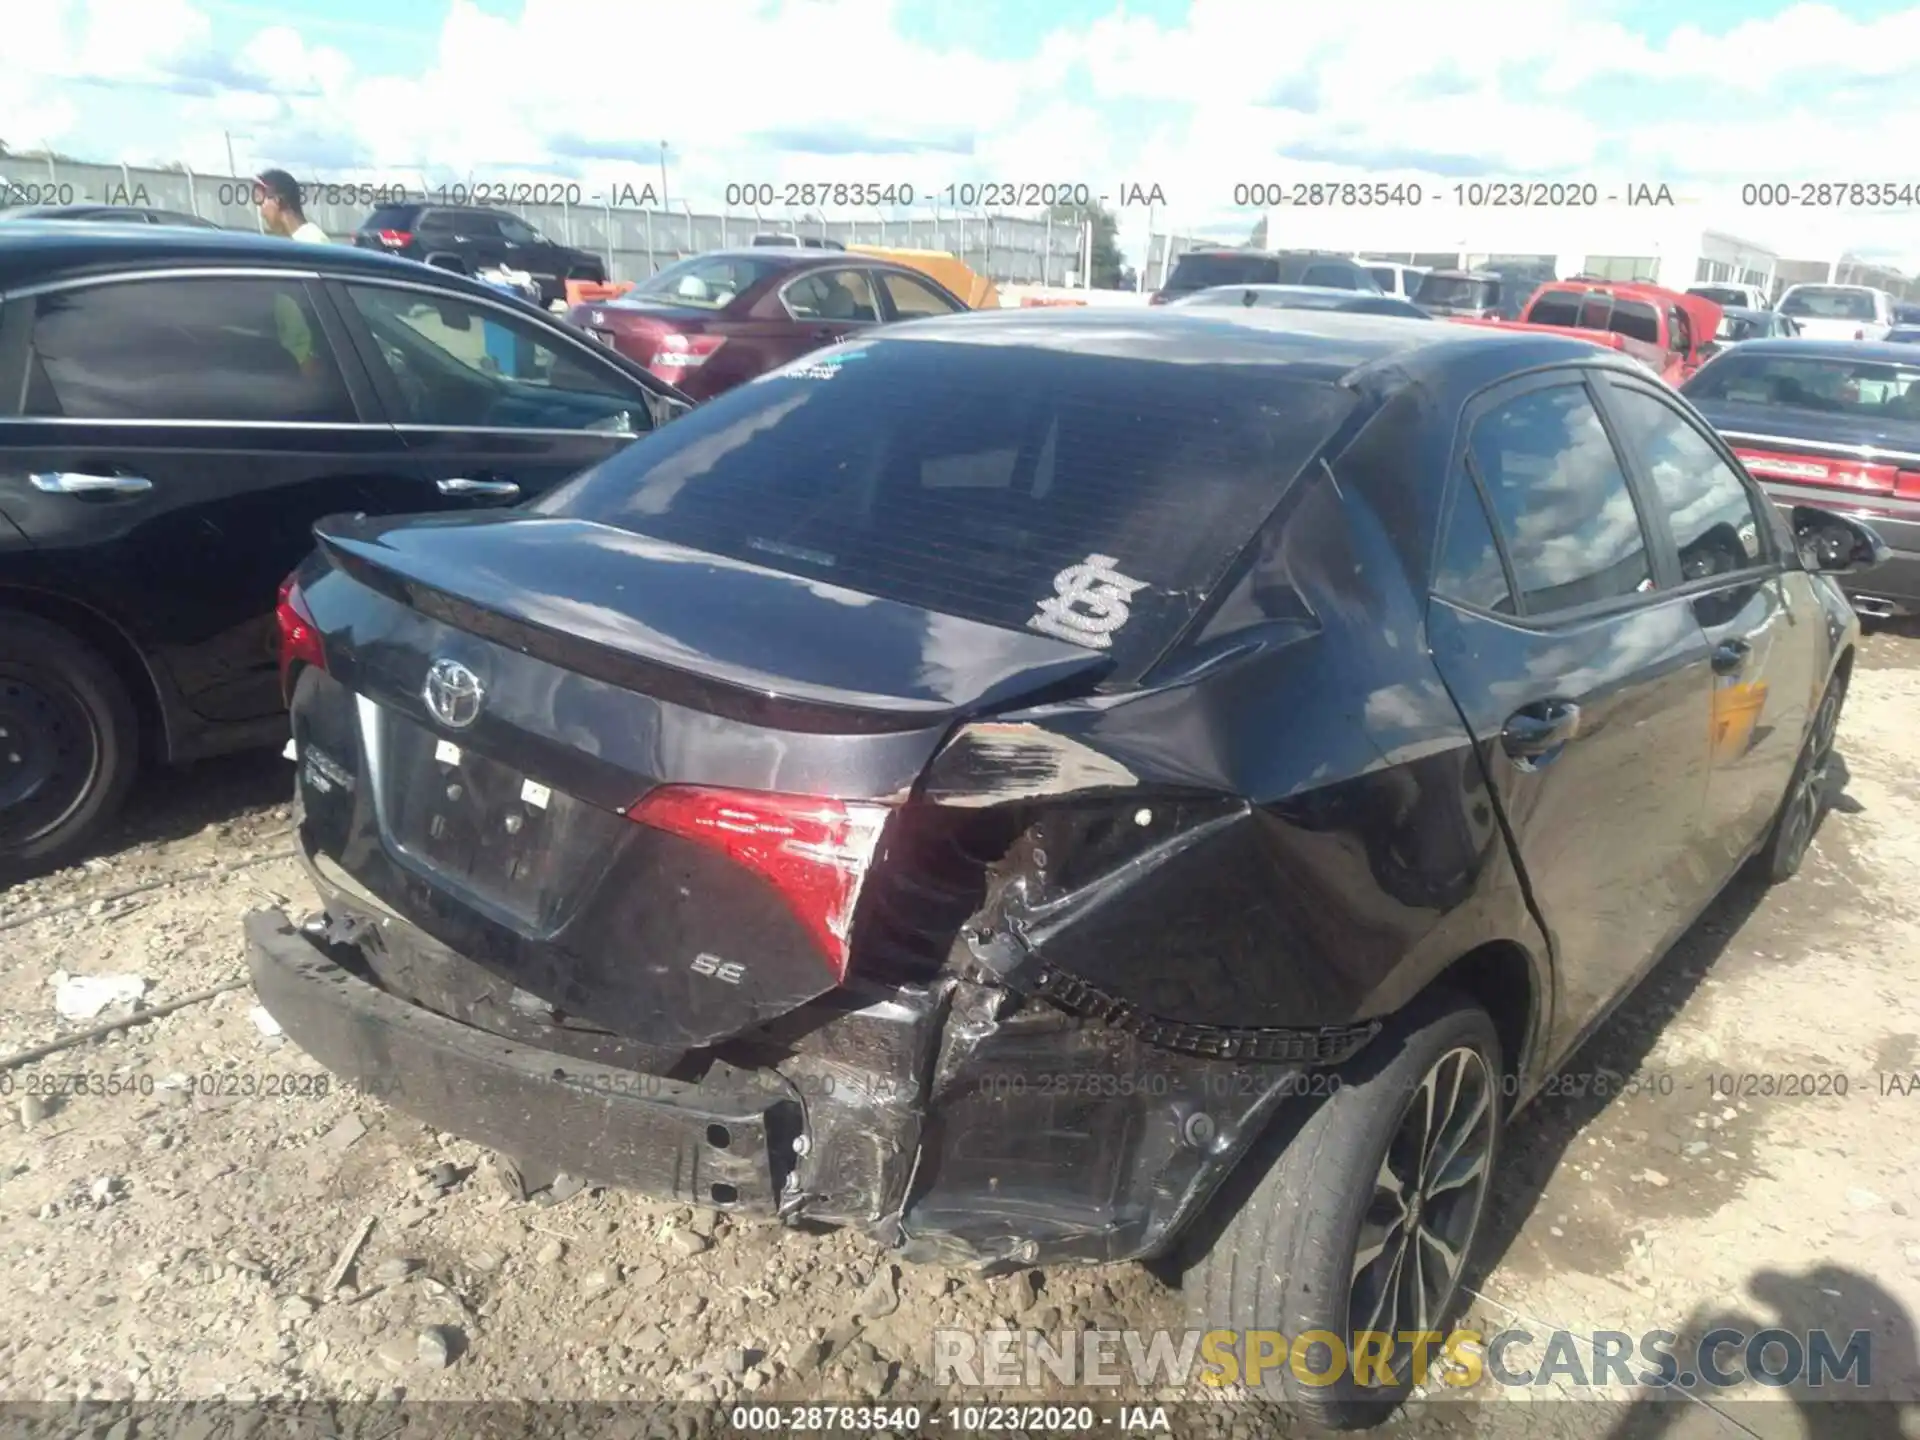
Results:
171 1233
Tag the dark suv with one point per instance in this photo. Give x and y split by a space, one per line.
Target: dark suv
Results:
469 239
1204 269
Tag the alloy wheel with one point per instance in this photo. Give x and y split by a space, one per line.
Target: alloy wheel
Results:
1426 1204
1809 797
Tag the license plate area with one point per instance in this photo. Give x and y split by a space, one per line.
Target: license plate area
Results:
487 829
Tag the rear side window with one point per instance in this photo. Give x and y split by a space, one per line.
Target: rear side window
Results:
1470 570
1020 487
1561 500
1635 321
845 295
189 349
1556 307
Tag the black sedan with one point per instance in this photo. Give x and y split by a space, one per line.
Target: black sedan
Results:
176 408
1000 780
1303 297
1833 424
107 215
1739 325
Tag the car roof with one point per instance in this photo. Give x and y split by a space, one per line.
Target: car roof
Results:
1320 296
1834 285
1330 346
795 257
1831 349
36 250
75 212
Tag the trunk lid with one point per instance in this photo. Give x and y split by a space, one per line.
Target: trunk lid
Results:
1860 454
636 782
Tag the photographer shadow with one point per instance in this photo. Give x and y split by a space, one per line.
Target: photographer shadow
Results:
1876 1400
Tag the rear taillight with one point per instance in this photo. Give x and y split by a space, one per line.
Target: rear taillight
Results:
299 636
1159 297
1907 483
674 355
1860 334
814 852
396 238
1825 472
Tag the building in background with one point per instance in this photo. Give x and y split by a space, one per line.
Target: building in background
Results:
1671 245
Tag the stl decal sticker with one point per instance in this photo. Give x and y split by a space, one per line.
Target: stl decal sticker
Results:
1089 603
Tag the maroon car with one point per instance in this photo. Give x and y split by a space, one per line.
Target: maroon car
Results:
708 323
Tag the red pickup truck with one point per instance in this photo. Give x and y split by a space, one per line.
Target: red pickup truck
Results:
1670 333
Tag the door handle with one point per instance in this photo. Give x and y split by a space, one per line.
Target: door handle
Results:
79 482
502 489
1535 731
1730 657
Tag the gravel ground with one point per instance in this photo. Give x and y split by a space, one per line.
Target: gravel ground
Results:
172 1232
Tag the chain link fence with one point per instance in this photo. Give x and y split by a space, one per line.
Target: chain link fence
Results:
633 242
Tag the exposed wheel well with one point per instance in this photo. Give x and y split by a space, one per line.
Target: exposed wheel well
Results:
1843 667
113 646
1500 977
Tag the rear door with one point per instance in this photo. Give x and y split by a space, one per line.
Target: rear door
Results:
1584 681
492 406
826 306
170 443
1762 623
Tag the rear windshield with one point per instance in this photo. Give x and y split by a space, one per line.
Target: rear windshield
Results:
1808 382
1828 302
1719 294
1454 290
990 482
389 217
706 282
1197 272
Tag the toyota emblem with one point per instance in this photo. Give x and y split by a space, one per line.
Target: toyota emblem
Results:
453 694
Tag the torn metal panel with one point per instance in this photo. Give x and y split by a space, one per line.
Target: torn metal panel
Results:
1052 1138
991 763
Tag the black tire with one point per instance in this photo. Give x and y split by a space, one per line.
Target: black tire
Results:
1286 1260
1805 803
71 747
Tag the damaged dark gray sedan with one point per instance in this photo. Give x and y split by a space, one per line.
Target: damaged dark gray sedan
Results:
1061 788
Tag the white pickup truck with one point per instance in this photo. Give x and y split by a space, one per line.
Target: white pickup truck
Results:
1839 312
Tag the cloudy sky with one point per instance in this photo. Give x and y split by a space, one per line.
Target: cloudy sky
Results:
1194 95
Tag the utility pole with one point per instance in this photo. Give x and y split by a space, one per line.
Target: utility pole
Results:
232 169
663 174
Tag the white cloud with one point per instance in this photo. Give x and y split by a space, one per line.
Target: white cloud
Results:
779 90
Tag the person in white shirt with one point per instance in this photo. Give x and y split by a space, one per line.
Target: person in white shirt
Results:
280 209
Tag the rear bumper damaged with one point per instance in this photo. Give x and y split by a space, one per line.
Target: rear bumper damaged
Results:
959 1122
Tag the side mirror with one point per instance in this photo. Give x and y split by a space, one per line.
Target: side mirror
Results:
1831 544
